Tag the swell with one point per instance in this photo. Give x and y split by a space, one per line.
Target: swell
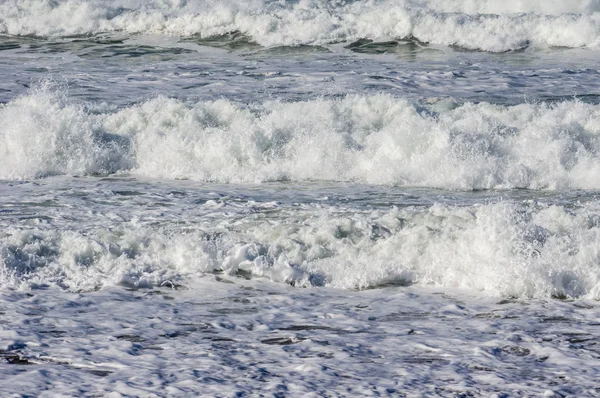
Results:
476 25
368 139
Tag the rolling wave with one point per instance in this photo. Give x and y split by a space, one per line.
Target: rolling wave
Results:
512 249
471 24
368 139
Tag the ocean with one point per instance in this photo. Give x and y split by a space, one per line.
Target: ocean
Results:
312 198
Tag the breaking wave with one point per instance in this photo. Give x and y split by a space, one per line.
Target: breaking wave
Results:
368 139
472 24
500 249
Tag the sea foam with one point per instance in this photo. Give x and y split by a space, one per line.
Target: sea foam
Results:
472 24
514 249
368 139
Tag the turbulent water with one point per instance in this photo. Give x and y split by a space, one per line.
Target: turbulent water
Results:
332 198
474 24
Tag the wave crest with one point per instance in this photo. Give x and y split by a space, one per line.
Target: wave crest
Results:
370 139
472 24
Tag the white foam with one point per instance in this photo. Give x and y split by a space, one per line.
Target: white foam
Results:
370 139
499 249
466 23
548 7
42 134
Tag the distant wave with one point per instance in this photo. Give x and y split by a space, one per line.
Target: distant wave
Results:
371 139
548 7
472 24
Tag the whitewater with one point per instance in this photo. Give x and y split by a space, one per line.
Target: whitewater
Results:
469 24
299 198
374 140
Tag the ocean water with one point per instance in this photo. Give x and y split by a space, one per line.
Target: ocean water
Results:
300 198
